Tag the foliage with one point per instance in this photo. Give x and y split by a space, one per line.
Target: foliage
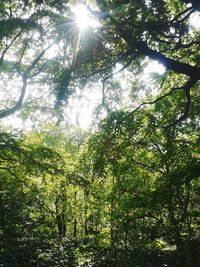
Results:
128 193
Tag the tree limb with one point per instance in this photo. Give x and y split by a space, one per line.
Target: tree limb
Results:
187 87
157 99
142 48
8 112
170 64
10 44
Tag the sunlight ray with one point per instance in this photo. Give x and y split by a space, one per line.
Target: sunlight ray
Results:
76 50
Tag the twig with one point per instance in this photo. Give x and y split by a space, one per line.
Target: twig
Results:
10 44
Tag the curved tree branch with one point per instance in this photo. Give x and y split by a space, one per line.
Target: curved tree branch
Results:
187 87
157 99
17 106
170 64
143 49
8 112
9 45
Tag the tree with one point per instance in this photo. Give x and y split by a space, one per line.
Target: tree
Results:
29 219
155 180
129 33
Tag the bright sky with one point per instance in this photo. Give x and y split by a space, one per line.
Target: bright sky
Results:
195 20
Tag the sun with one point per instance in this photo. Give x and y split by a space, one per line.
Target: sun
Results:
83 17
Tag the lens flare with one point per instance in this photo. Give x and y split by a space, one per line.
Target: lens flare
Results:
83 17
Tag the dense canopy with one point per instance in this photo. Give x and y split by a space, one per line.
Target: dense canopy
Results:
124 192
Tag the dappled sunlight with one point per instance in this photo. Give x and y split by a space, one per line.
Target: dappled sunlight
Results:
99 133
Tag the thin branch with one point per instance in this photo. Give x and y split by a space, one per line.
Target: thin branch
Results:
158 148
39 70
10 10
146 166
104 104
187 87
35 61
8 46
112 74
119 58
157 99
179 45
8 112
124 66
181 14
23 51
148 132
